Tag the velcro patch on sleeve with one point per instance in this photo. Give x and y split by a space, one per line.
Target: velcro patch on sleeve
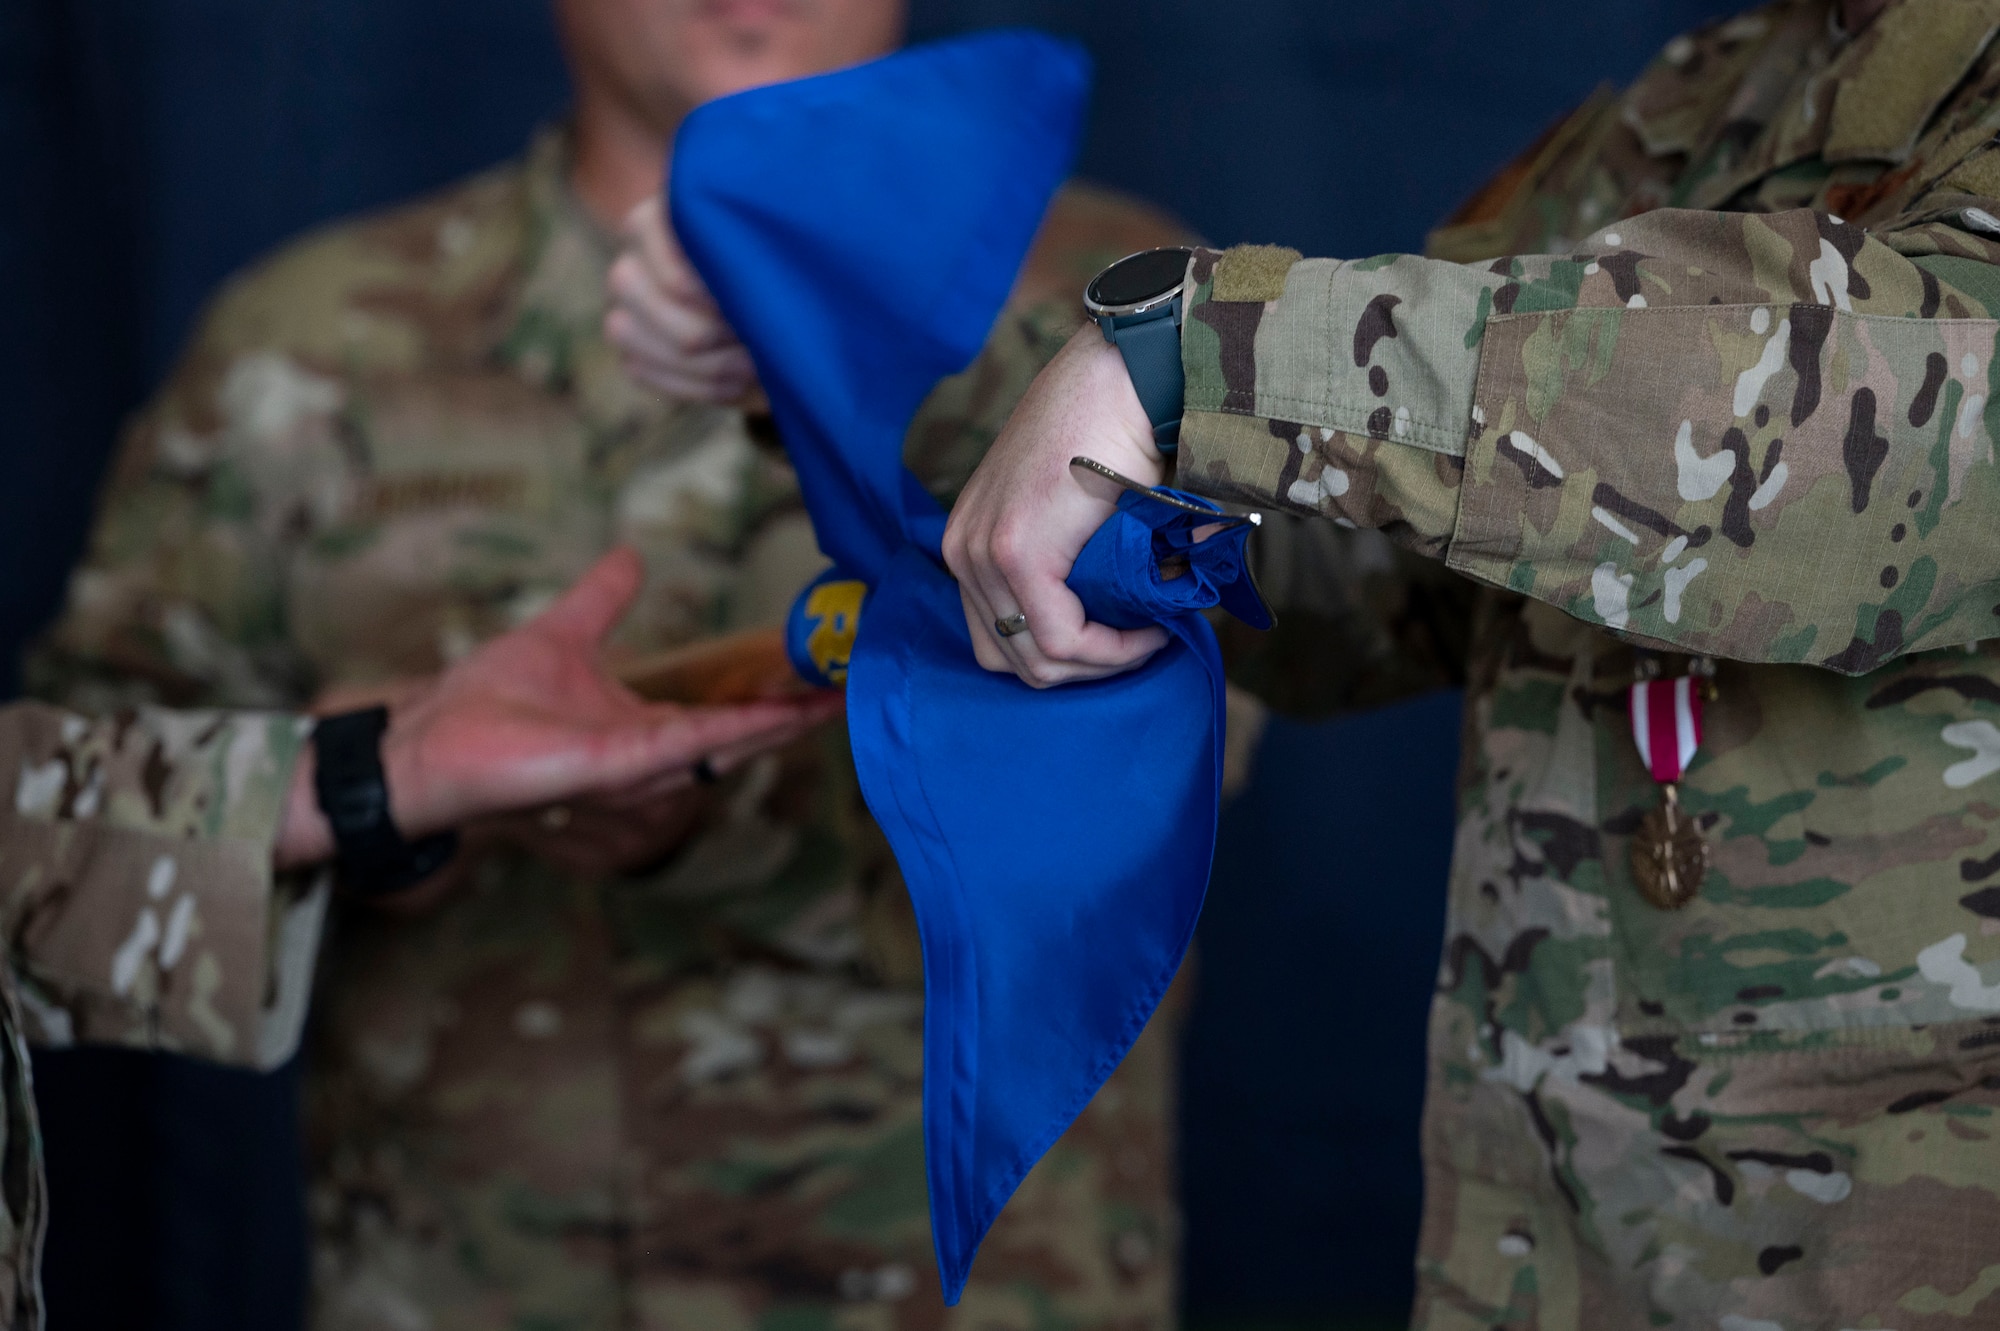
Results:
1253 272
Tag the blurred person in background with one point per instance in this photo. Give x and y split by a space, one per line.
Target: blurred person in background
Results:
141 846
651 1060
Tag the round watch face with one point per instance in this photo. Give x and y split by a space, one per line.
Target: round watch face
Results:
1138 278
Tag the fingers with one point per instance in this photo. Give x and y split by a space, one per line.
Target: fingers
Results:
721 374
662 320
647 792
1021 521
808 718
988 599
979 626
655 245
727 385
1060 645
800 719
726 367
679 737
598 600
983 600
672 338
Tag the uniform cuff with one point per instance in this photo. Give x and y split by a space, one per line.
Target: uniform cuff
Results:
142 905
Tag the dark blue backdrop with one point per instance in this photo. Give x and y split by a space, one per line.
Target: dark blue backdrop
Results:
153 145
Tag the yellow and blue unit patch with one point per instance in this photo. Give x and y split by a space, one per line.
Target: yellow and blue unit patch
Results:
819 633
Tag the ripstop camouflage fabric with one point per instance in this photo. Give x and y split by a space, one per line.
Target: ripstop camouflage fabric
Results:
1728 389
684 1098
140 909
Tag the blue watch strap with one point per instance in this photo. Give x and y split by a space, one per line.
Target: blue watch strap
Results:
1151 346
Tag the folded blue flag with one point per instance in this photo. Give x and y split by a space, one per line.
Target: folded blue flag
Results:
861 231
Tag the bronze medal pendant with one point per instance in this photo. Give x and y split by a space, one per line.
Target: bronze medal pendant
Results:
1669 855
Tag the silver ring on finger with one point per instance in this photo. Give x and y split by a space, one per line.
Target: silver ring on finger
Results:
1009 625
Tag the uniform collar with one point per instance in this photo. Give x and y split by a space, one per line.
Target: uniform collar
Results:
558 302
554 322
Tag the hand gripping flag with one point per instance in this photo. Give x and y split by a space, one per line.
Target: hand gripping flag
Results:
861 231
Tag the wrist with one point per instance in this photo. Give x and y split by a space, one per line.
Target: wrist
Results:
304 835
413 803
1138 304
1131 448
371 789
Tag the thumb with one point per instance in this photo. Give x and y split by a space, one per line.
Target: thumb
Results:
600 598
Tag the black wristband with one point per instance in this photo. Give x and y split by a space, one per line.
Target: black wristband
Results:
371 854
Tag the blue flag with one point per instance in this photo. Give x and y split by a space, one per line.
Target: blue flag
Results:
861 231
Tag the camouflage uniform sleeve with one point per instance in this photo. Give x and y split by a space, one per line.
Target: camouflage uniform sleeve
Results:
139 904
1385 625
1766 437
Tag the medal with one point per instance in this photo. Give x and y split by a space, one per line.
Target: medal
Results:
1669 855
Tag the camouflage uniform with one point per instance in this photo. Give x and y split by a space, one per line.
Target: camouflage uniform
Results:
140 909
1734 394
684 1098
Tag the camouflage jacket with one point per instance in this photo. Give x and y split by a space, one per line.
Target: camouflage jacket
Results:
139 908
1710 372
551 1101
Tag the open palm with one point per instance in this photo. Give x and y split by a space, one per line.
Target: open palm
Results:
531 718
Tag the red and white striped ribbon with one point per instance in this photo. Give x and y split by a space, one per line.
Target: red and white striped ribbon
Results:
1666 725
